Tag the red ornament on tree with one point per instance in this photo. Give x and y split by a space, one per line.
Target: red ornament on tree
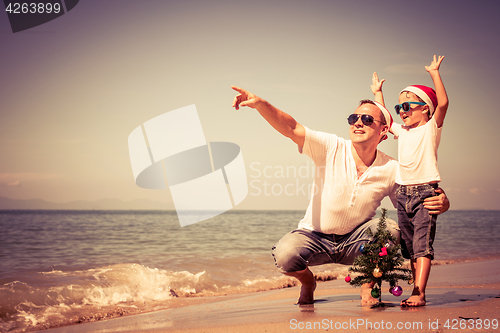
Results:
383 252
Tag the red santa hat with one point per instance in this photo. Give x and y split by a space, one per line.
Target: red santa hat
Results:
427 94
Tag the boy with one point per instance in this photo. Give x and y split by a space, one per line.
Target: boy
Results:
422 110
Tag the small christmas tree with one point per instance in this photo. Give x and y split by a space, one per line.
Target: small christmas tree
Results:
381 260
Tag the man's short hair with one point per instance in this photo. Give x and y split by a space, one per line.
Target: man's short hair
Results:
369 101
366 101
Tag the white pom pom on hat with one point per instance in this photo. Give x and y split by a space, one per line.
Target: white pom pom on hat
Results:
386 113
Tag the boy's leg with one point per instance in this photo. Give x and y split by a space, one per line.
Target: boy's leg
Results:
421 268
405 208
423 252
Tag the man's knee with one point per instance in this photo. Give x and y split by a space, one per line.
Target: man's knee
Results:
393 228
391 225
287 254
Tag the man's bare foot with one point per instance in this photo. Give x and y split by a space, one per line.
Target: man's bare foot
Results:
416 299
307 293
366 295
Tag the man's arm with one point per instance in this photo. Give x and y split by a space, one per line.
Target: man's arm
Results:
281 121
441 95
377 89
438 204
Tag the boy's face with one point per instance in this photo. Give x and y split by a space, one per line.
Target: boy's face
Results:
417 115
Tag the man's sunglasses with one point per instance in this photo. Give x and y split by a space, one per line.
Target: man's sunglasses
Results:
365 118
406 106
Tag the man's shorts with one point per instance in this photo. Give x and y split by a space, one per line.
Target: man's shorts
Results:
301 248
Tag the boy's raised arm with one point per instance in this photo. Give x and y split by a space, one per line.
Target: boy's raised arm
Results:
377 89
442 97
281 121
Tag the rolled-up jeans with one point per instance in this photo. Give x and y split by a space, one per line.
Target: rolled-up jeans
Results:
302 248
418 226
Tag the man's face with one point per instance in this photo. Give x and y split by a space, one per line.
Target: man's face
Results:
361 133
417 115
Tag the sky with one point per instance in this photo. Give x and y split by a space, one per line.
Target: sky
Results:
73 89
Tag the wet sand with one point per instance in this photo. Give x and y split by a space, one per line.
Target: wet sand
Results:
460 297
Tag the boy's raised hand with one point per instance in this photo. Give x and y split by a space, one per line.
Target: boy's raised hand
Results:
442 97
377 88
376 84
434 66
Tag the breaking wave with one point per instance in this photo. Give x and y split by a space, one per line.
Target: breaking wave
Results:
57 298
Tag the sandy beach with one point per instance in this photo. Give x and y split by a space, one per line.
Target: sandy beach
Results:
463 296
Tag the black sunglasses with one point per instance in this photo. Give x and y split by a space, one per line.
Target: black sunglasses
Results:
365 118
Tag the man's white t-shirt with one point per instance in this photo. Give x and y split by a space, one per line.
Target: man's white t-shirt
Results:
339 200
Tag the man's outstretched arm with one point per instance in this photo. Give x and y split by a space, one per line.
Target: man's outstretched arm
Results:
281 121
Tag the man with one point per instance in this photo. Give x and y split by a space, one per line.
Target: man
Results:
351 179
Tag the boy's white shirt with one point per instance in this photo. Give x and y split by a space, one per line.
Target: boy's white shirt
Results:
417 153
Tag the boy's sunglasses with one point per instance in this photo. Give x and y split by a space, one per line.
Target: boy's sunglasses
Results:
365 118
406 106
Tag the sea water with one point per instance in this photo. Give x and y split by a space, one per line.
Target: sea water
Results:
62 267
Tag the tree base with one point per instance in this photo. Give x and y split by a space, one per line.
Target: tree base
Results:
381 305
